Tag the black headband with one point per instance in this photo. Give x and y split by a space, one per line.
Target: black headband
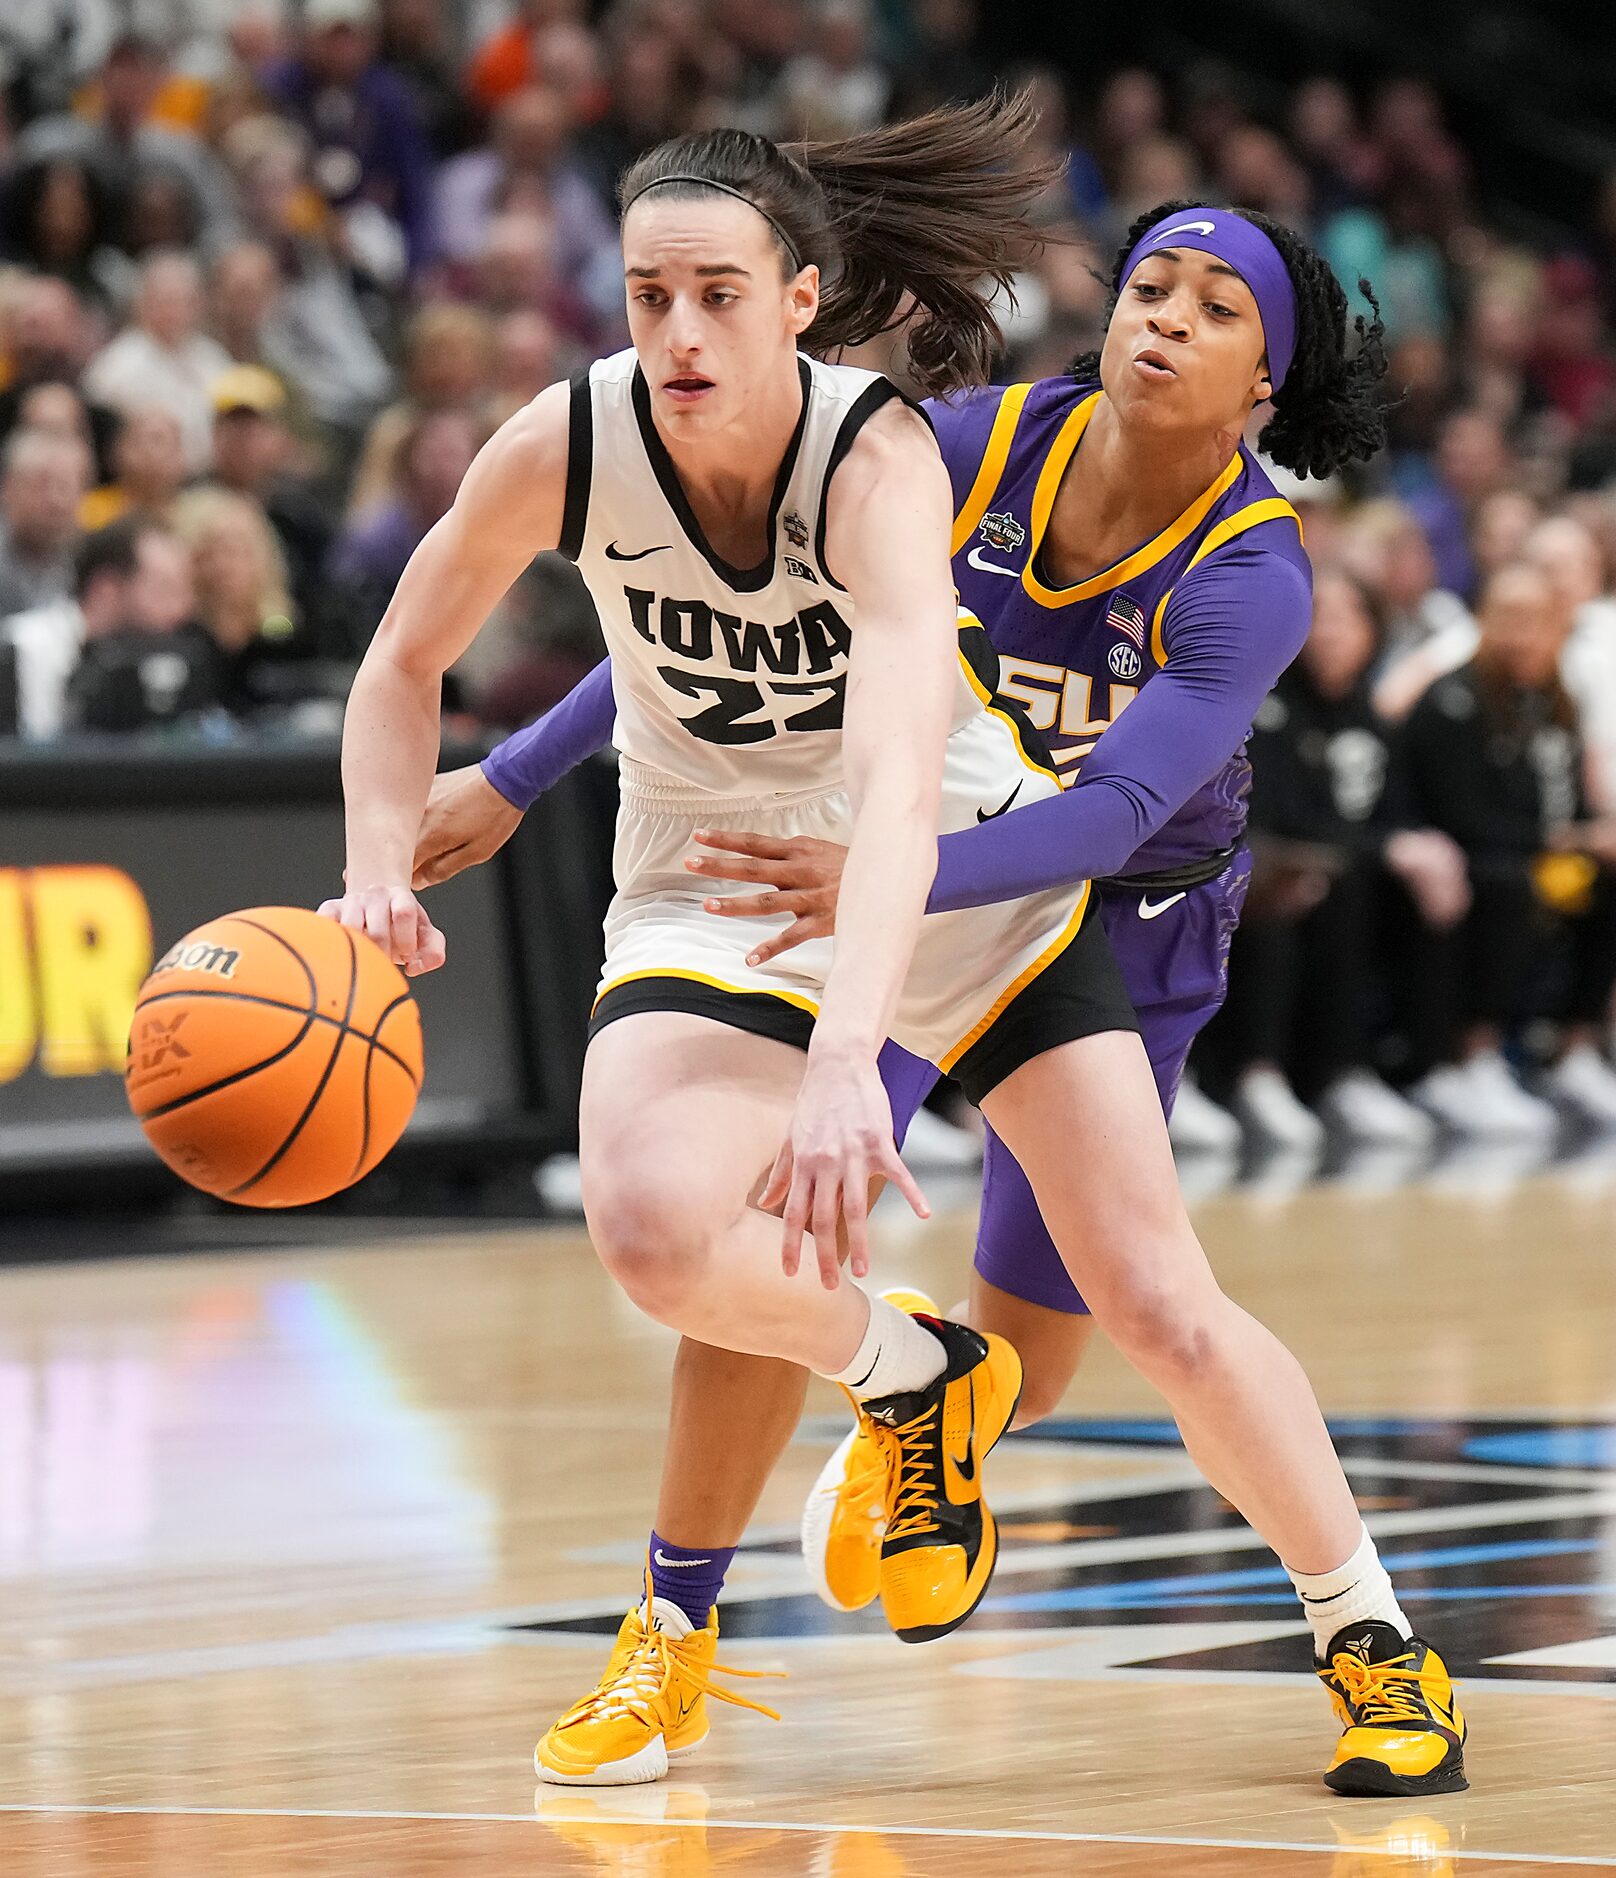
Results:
740 195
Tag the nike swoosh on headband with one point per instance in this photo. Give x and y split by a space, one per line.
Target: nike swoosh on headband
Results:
1185 228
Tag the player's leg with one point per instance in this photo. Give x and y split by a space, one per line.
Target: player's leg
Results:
1245 1408
679 1230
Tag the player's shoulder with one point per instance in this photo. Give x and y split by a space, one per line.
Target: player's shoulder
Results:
895 440
1251 525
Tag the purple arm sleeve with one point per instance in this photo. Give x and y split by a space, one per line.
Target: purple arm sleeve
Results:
1231 627
533 760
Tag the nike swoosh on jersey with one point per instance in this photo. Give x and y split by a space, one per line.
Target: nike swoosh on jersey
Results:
1147 911
990 567
994 814
678 1564
615 553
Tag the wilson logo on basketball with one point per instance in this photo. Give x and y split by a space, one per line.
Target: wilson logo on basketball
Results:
199 956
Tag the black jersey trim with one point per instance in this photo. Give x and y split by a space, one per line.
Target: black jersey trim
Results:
738 579
580 467
870 400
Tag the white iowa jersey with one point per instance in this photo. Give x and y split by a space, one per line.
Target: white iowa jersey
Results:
727 679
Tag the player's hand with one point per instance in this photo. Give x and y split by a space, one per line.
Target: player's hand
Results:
466 821
804 879
840 1138
396 920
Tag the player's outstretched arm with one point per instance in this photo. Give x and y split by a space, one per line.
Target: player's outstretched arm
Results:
887 537
472 812
508 509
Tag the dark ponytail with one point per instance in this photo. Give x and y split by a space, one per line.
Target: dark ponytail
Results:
935 209
1331 410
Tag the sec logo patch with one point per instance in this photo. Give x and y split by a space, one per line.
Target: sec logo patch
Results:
1124 661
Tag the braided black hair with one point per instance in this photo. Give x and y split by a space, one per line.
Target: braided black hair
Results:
1330 411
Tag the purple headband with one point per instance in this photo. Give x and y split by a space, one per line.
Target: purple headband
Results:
1244 247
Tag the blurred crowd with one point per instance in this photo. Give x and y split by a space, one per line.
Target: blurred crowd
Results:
271 271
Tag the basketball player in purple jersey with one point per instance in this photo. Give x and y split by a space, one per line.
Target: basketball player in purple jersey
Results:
1143 666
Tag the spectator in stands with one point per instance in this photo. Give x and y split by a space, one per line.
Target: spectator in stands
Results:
59 220
414 44
510 59
1326 834
1343 167
1472 462
149 470
57 411
448 359
374 549
526 168
943 63
1387 550
47 336
311 332
835 87
1571 362
1494 758
253 457
42 482
1566 554
120 142
527 357
145 663
652 87
164 357
243 600
372 164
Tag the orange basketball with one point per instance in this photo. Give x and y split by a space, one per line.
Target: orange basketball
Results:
274 1057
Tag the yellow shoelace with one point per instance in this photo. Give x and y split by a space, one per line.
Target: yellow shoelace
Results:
914 1494
644 1678
1384 1691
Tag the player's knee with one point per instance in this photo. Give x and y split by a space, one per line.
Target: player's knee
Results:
654 1249
1162 1328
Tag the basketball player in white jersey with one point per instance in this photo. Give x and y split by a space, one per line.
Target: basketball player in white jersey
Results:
767 542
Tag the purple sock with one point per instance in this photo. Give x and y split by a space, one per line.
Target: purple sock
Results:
690 1577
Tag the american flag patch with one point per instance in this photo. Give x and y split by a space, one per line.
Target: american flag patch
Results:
1127 617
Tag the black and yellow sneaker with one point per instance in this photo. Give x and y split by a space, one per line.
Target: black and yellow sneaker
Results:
1404 1734
941 1542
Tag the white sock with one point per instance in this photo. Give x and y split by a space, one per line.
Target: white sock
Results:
1355 1593
898 1354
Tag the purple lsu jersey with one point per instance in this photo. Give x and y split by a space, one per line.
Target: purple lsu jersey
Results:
1076 657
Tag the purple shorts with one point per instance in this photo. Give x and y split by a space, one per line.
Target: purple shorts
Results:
1173 949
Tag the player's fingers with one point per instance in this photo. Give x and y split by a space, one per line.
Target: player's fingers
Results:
800 930
330 909
794 1221
737 841
892 1165
773 1196
431 949
855 1217
827 1220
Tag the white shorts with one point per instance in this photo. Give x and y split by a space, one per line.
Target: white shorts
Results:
967 965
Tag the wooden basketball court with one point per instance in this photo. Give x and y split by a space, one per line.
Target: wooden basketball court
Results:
300 1550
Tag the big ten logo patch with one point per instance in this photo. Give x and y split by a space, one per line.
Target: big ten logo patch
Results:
75 943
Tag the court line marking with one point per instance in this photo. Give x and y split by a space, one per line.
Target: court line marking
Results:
1014 1834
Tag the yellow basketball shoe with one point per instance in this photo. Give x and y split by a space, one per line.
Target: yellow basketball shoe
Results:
648 1709
941 1543
1403 1733
845 1516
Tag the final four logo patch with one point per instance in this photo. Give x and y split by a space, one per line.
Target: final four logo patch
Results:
1002 531
796 528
